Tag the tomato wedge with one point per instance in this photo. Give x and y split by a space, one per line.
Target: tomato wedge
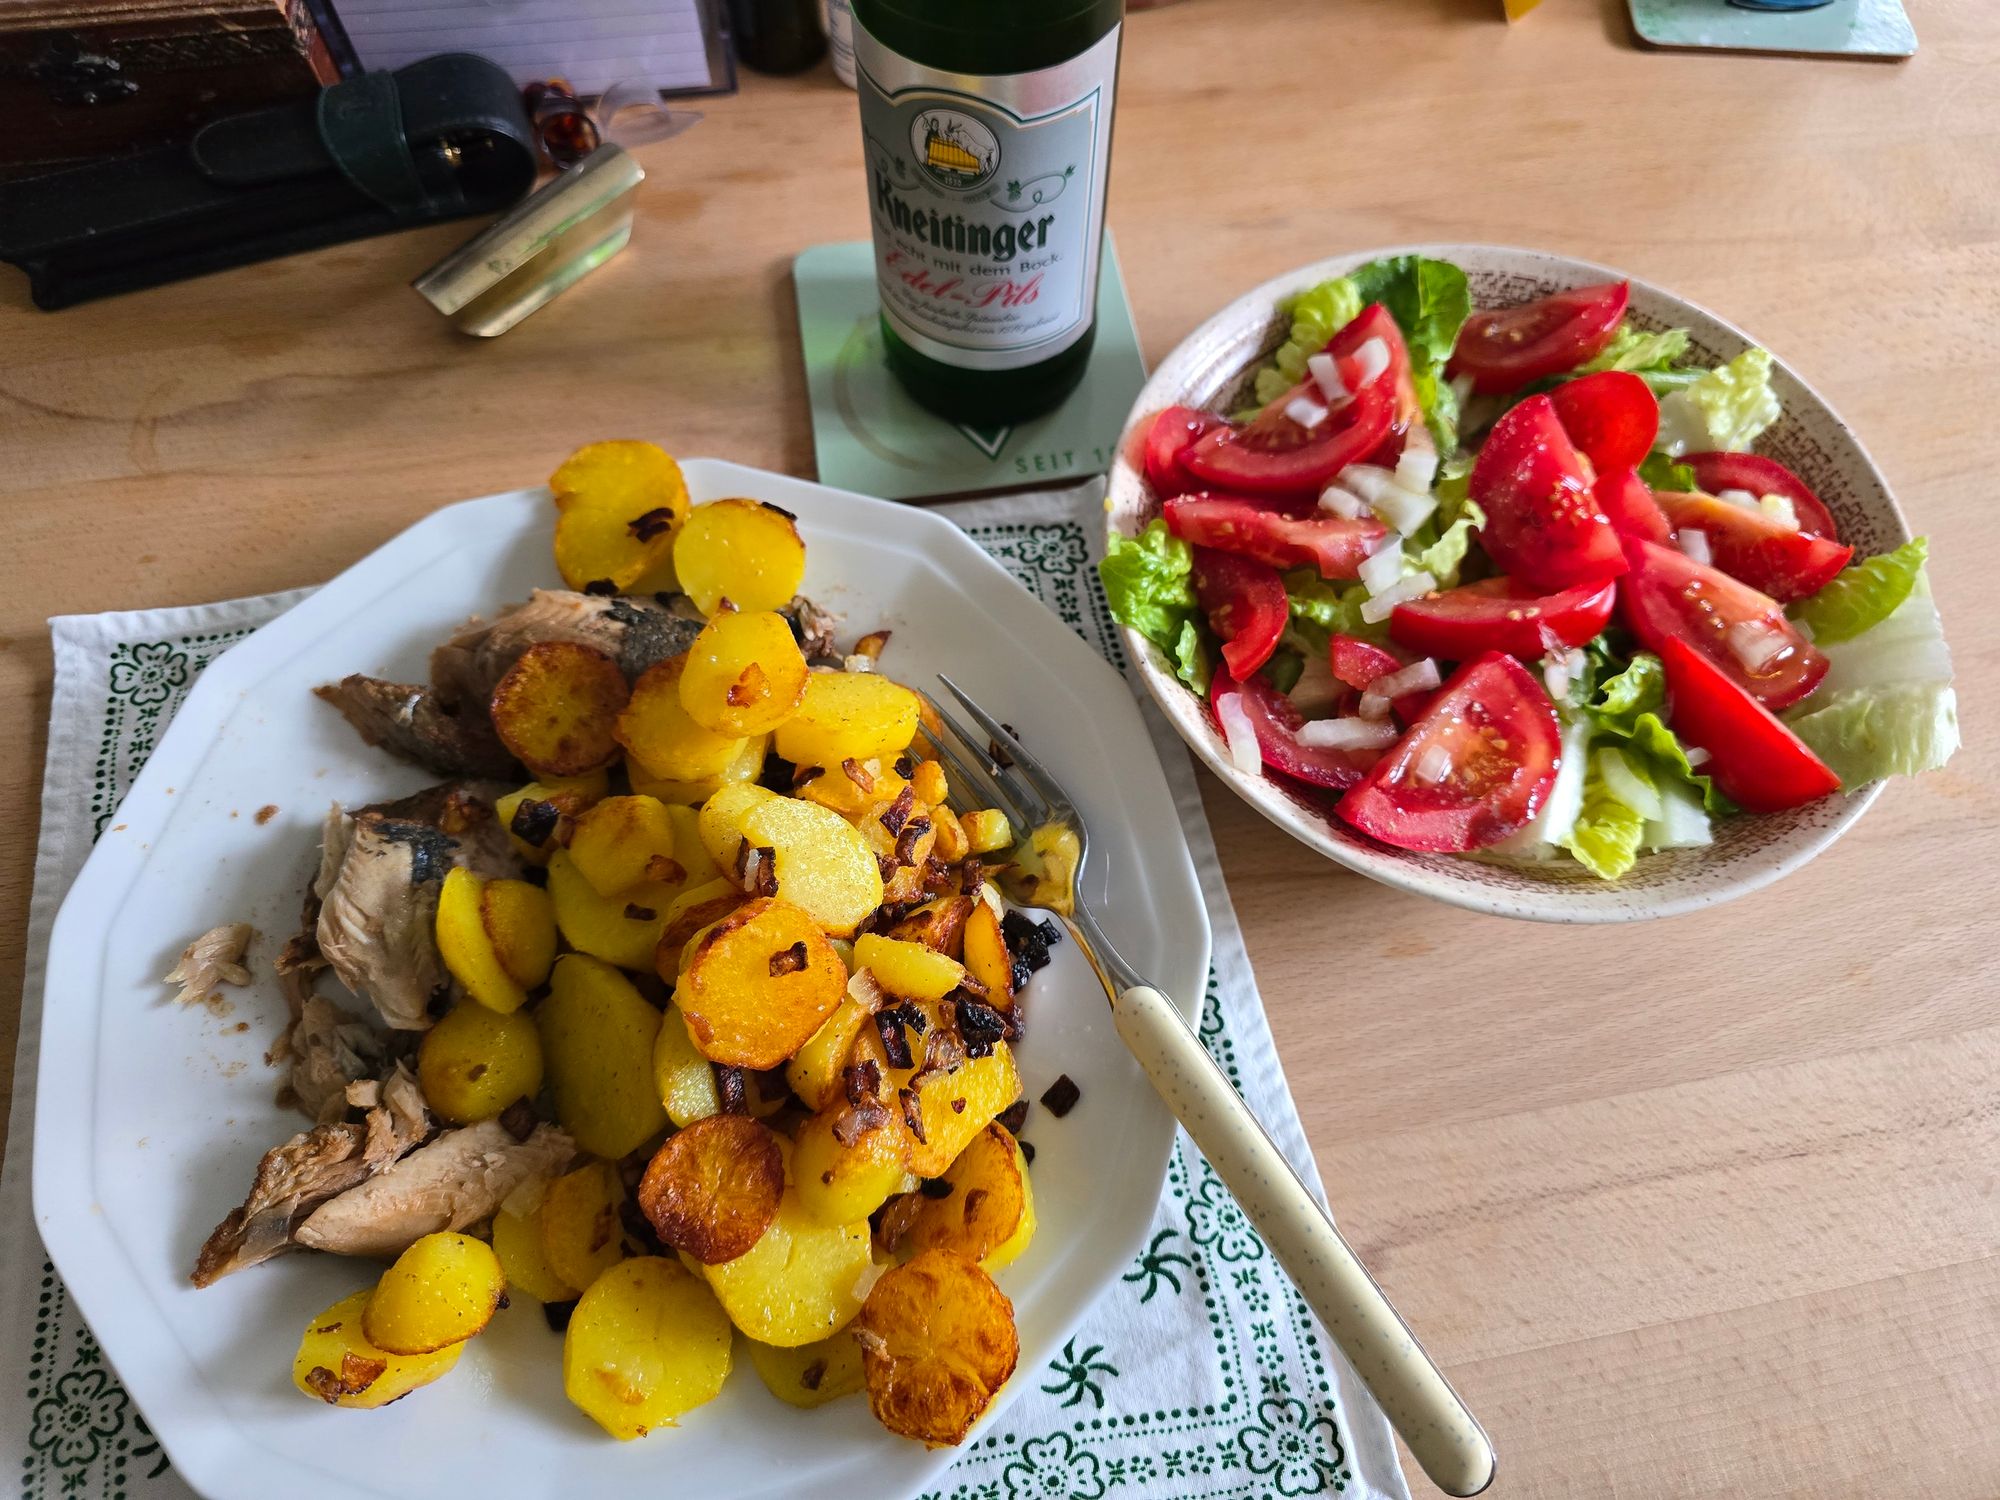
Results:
1360 663
1474 769
1273 455
1505 350
1612 416
1630 507
1501 614
1277 722
1542 525
1231 523
1375 322
1759 763
1761 476
1753 547
1669 596
1171 434
1245 602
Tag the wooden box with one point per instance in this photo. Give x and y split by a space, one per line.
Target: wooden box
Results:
82 79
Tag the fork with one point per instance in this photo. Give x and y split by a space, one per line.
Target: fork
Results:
1443 1436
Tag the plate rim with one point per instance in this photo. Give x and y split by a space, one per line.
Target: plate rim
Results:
165 1380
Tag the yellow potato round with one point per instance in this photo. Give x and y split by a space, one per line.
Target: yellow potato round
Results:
1009 1250
622 929
815 1069
658 734
646 1343
623 841
474 1063
583 1235
336 1363
812 1374
747 765
537 817
620 505
745 551
852 787
759 984
987 831
557 708
910 970
597 1042
520 922
467 948
849 715
927 779
989 1214
954 1105
937 924
801 1282
719 824
745 674
517 1240
843 1183
689 915
441 1291
986 957
937 1343
686 1079
823 864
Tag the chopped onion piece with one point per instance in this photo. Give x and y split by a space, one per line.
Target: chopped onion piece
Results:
1555 677
1418 467
1461 387
1418 676
1377 609
1433 765
1347 734
1305 411
1374 705
1343 503
857 663
1370 360
1406 512
1697 758
1368 480
1695 544
1755 645
1624 783
1325 372
1780 509
1240 734
1738 497
1383 567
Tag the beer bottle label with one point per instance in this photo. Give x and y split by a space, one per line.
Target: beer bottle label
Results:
987 198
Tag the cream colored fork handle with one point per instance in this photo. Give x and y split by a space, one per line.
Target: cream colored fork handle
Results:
1421 1405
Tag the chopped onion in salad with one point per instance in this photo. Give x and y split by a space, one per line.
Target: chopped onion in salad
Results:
1696 757
1755 645
1374 705
1369 481
1418 676
1240 734
1344 503
1348 734
1695 544
1370 360
1384 565
1738 497
1433 766
1325 371
1561 667
1383 605
1403 510
1417 469
1305 411
1781 510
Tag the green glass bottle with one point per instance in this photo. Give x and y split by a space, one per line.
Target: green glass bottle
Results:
986 125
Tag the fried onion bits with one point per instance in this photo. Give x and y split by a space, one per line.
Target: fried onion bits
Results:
713 1189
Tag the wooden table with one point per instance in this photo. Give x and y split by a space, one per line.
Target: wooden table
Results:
1701 1208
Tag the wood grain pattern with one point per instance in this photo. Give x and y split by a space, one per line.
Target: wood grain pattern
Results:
1706 1208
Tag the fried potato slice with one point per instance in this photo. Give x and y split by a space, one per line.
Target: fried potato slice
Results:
801 1282
338 1365
466 946
658 734
520 923
937 1342
517 1240
816 1068
597 1046
913 971
582 1234
474 1063
986 831
720 821
823 864
986 957
623 841
849 716
646 1343
745 674
688 914
987 1209
620 504
759 984
713 1188
852 787
441 1291
848 1159
938 924
622 929
812 1374
745 551
951 1105
685 1079
746 765
557 708
538 816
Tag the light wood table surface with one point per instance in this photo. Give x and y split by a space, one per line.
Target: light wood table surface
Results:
1703 1208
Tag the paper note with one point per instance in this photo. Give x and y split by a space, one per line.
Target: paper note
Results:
592 43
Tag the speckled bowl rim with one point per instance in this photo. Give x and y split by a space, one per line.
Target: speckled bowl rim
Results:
1209 361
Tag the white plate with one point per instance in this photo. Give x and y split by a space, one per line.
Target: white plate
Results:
151 1118
1209 368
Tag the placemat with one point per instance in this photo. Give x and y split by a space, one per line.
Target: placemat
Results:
1853 28
1199 1375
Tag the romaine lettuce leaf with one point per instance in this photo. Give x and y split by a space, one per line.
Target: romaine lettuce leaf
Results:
1628 706
1317 314
1863 595
1725 409
1191 660
1661 473
1320 609
1605 836
1149 585
1443 558
1634 349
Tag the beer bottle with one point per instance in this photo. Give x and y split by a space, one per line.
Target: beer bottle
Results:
986 127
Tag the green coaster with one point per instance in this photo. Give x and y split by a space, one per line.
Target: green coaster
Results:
1859 28
869 436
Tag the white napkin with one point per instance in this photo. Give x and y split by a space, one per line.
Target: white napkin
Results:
1200 1375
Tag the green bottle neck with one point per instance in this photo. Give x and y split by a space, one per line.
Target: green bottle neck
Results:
988 36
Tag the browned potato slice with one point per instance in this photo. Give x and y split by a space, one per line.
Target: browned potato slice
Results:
822 863
646 1343
938 924
521 925
745 551
620 506
848 1159
441 1291
517 1240
849 716
986 957
949 1106
713 1188
720 821
910 970
558 706
745 674
812 1374
747 765
475 1062
658 734
336 1363
597 1044
801 1282
852 787
466 945
986 831
929 781
623 929
986 1204
696 908
815 1069
539 816
582 1235
937 1341
759 984
952 845
624 840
